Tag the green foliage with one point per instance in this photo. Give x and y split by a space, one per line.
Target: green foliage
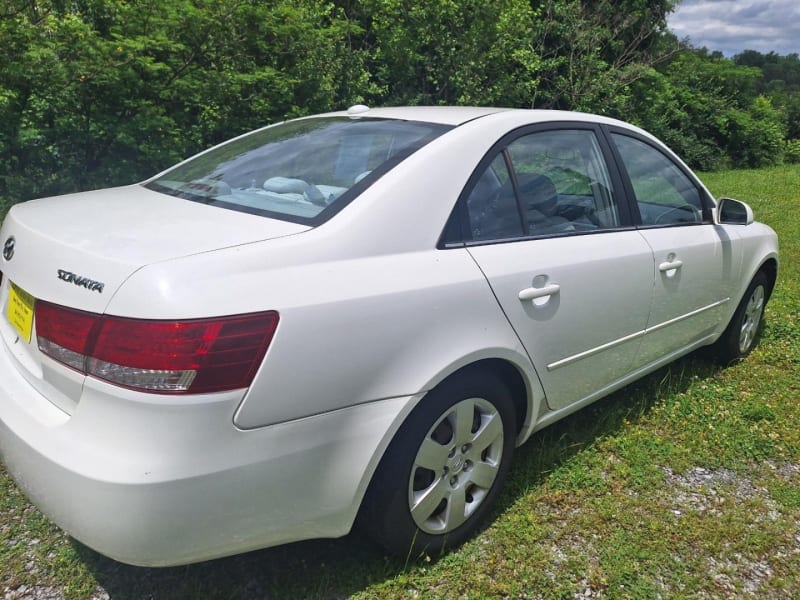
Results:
792 152
453 52
107 92
707 108
593 51
754 137
679 115
779 72
95 93
790 105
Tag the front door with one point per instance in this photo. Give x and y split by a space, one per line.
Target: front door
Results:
694 259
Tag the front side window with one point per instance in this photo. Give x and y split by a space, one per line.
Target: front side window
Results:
302 171
664 194
544 183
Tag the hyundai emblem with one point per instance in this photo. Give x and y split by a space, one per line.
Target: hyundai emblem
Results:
8 248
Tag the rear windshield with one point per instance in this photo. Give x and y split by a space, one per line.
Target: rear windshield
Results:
301 171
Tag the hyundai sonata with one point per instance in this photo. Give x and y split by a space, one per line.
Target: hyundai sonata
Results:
353 315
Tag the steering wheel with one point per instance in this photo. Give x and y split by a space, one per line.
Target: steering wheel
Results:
682 209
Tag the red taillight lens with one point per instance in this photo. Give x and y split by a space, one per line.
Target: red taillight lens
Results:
193 356
64 333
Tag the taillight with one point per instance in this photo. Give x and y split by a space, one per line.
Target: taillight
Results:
64 333
192 356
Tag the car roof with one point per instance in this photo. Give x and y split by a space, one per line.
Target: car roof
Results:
457 115
444 115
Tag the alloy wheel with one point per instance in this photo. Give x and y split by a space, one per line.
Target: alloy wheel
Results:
751 319
456 465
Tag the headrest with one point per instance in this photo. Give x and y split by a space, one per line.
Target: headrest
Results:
285 185
537 192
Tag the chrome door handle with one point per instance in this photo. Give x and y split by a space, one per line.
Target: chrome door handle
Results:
532 293
670 266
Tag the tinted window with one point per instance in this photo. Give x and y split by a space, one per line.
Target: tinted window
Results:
492 205
300 171
664 194
558 183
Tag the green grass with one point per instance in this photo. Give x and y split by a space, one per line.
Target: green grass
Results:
682 485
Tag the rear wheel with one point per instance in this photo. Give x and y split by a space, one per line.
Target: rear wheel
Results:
744 330
444 468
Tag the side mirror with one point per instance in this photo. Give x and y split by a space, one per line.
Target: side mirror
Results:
734 212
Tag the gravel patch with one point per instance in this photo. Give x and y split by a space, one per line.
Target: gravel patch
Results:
706 490
42 592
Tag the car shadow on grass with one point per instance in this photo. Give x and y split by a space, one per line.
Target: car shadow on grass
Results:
332 569
312 569
553 446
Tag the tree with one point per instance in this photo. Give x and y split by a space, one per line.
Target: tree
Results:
449 52
101 92
707 109
593 51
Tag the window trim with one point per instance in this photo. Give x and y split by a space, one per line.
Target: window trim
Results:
706 201
457 232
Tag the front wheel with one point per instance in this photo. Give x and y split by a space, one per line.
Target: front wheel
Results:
742 333
443 470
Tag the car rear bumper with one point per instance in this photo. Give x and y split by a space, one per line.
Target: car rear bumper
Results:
155 480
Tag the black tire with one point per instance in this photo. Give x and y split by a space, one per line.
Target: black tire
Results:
411 509
744 330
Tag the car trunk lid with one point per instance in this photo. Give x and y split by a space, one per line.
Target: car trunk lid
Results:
64 246
77 250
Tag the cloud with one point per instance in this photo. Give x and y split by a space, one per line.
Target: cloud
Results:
732 26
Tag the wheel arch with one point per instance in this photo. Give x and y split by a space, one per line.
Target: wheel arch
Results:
525 400
727 349
516 372
765 261
510 375
770 268
523 384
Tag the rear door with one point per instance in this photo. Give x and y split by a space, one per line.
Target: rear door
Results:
543 220
695 260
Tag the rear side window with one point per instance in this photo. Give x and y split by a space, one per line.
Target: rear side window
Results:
544 183
302 171
492 205
664 194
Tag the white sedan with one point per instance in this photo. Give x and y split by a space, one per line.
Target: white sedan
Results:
352 316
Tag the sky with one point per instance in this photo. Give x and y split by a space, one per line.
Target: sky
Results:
735 25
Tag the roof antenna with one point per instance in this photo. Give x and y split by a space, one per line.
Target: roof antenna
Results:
357 110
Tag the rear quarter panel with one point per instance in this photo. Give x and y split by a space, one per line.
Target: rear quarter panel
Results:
369 307
351 331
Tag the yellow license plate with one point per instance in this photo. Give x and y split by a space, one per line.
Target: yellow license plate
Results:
20 311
